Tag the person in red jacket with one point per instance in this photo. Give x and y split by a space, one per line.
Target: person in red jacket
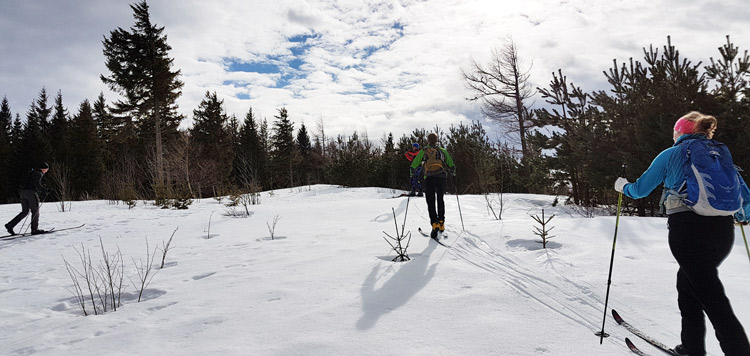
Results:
416 181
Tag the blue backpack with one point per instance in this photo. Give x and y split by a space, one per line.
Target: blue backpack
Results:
711 179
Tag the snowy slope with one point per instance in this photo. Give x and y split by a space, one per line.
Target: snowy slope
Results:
326 286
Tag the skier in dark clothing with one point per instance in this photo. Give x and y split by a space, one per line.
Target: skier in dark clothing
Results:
416 177
31 187
436 164
699 243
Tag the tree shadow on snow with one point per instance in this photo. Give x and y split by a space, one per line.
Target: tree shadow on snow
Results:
532 245
409 279
388 217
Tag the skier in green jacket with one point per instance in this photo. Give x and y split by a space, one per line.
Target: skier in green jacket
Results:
437 164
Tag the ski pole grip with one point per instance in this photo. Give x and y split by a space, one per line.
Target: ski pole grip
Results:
624 170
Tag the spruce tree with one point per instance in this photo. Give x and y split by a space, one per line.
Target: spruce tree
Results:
250 158
86 153
58 131
304 149
6 124
33 147
212 137
42 111
141 72
284 153
106 127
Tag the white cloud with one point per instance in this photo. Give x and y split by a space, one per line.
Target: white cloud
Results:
371 66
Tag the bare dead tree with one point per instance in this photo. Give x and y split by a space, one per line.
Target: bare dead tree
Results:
77 291
145 271
165 248
272 227
321 135
208 233
398 246
181 158
111 273
60 183
100 286
503 88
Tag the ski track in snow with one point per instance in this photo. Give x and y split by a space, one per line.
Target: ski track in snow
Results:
526 283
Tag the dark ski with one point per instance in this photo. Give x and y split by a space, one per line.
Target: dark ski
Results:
646 338
52 230
436 239
633 348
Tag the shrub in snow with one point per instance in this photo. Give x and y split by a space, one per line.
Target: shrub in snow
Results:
98 287
398 244
272 226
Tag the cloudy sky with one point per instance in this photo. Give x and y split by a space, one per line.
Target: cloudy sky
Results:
366 65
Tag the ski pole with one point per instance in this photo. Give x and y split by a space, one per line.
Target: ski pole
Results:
602 334
455 188
742 228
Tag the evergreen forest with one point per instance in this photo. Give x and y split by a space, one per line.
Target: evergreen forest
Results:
572 145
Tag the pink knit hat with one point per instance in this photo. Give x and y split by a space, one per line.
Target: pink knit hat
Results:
684 126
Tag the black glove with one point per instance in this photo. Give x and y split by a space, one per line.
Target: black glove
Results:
452 171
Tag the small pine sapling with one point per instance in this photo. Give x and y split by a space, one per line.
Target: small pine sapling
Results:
544 230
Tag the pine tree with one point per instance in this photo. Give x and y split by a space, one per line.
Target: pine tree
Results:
212 137
389 164
6 124
106 128
352 161
732 74
86 155
284 153
33 147
141 72
474 157
42 111
579 134
304 150
17 166
58 131
643 105
250 158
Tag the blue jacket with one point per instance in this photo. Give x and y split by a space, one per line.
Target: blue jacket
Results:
667 168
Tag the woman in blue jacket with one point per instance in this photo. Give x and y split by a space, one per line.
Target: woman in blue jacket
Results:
699 244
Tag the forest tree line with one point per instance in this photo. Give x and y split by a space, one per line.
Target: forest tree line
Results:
574 145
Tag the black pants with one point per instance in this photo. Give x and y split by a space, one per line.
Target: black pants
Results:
435 186
700 244
29 202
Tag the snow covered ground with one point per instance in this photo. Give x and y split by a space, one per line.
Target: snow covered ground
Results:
326 284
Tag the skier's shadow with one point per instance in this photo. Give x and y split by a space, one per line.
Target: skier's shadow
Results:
408 280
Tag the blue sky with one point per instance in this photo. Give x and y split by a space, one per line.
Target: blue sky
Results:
370 66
